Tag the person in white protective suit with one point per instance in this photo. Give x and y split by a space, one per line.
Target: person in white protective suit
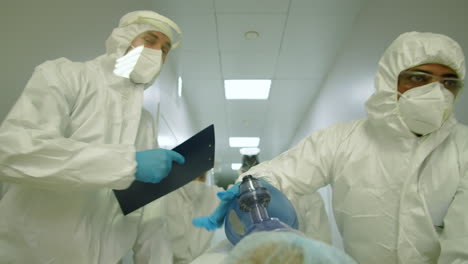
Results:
77 132
179 207
312 217
175 212
399 177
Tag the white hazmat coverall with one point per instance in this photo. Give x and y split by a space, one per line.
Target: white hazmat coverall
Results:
397 198
179 208
312 217
68 141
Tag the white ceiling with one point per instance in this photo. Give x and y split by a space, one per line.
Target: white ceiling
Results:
301 42
297 44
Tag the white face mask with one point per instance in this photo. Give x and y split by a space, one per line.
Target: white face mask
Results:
141 65
424 109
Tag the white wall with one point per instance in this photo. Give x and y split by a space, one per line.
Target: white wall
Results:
175 121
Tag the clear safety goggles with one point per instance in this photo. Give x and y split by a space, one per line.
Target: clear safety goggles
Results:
417 78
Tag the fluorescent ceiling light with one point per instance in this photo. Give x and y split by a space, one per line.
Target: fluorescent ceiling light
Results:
249 151
240 142
179 86
247 89
236 166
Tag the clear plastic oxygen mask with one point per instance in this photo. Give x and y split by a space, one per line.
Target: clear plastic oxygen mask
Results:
252 209
254 198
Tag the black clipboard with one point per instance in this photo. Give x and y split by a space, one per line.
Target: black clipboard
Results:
199 157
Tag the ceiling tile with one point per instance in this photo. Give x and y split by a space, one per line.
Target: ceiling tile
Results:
205 99
249 6
289 101
416 7
311 45
199 65
246 118
178 7
199 32
233 156
325 7
232 27
249 65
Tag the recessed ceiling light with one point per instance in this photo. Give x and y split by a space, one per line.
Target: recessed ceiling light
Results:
251 35
247 89
236 166
179 86
240 142
249 151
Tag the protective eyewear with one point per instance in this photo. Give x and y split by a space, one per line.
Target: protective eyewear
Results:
417 78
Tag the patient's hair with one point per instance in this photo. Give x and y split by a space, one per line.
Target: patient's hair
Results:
273 253
284 248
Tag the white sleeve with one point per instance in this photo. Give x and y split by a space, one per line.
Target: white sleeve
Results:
312 216
153 243
146 136
35 152
1 190
454 237
305 168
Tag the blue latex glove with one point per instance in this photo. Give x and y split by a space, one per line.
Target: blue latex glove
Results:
155 164
216 219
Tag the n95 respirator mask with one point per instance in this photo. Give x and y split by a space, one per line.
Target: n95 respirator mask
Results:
425 108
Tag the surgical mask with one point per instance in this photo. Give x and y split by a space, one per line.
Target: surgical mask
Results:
140 65
424 109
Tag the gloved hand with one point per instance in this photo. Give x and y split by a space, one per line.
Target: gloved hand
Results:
216 219
155 164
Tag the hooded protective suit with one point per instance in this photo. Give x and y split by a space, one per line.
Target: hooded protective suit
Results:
397 198
68 141
178 208
312 217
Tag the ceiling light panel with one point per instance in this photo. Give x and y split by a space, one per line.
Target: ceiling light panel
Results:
247 89
249 151
236 166
244 142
